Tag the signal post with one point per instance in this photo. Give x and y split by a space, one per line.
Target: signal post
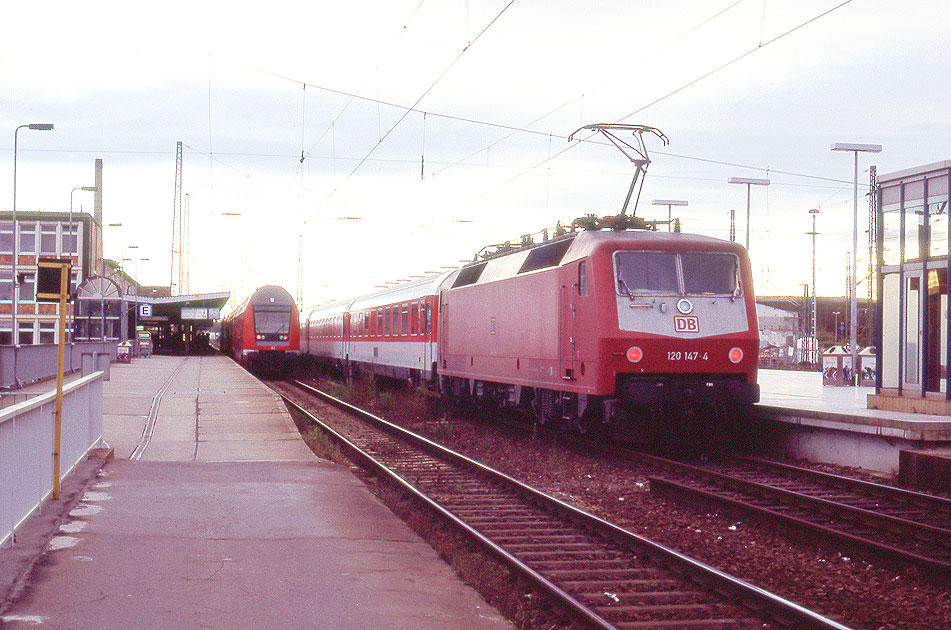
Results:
52 285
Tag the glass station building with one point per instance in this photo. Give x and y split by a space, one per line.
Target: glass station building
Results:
914 265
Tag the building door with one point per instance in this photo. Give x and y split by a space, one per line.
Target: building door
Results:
936 336
912 340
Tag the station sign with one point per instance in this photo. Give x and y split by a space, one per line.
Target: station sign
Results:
200 312
145 310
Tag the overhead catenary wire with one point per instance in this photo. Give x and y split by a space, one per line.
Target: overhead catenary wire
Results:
680 89
418 100
355 96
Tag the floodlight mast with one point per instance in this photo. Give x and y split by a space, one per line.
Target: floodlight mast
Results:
635 152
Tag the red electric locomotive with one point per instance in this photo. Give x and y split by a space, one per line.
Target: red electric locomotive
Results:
634 330
263 332
638 331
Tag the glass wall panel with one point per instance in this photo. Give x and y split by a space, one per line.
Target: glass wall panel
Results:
914 215
6 285
6 238
891 233
48 239
912 329
26 333
27 238
938 218
28 287
891 286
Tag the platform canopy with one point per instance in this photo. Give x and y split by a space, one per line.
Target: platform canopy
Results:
201 309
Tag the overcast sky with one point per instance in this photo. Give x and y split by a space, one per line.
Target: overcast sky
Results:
742 89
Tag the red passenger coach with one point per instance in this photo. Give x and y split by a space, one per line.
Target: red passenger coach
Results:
263 332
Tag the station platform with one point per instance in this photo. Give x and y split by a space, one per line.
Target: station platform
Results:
215 514
834 425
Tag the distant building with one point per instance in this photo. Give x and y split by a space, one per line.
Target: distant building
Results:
40 234
779 331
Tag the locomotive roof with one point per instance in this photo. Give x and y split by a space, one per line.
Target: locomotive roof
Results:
575 246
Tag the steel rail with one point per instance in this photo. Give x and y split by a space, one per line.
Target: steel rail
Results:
757 599
881 522
929 501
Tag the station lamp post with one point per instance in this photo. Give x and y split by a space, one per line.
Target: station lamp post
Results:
854 305
135 282
750 182
814 350
16 282
669 203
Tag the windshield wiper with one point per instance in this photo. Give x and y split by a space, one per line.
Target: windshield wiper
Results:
623 286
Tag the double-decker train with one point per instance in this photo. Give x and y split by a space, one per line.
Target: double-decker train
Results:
642 332
263 332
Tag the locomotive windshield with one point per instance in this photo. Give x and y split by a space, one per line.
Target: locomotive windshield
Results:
647 271
688 273
709 273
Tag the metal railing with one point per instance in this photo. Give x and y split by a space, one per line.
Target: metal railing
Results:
27 444
35 362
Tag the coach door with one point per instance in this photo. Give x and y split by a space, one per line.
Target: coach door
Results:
566 333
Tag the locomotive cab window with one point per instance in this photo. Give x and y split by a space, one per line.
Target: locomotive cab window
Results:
272 324
667 273
646 272
709 273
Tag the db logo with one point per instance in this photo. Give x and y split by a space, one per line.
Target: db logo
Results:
686 324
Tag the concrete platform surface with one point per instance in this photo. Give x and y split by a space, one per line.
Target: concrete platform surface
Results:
225 519
800 398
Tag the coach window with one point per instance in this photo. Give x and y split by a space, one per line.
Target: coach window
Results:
583 277
404 320
366 324
379 322
429 319
414 319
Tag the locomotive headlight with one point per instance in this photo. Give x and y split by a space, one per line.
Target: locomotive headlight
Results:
736 355
634 354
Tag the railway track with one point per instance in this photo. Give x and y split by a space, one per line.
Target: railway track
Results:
605 576
897 526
